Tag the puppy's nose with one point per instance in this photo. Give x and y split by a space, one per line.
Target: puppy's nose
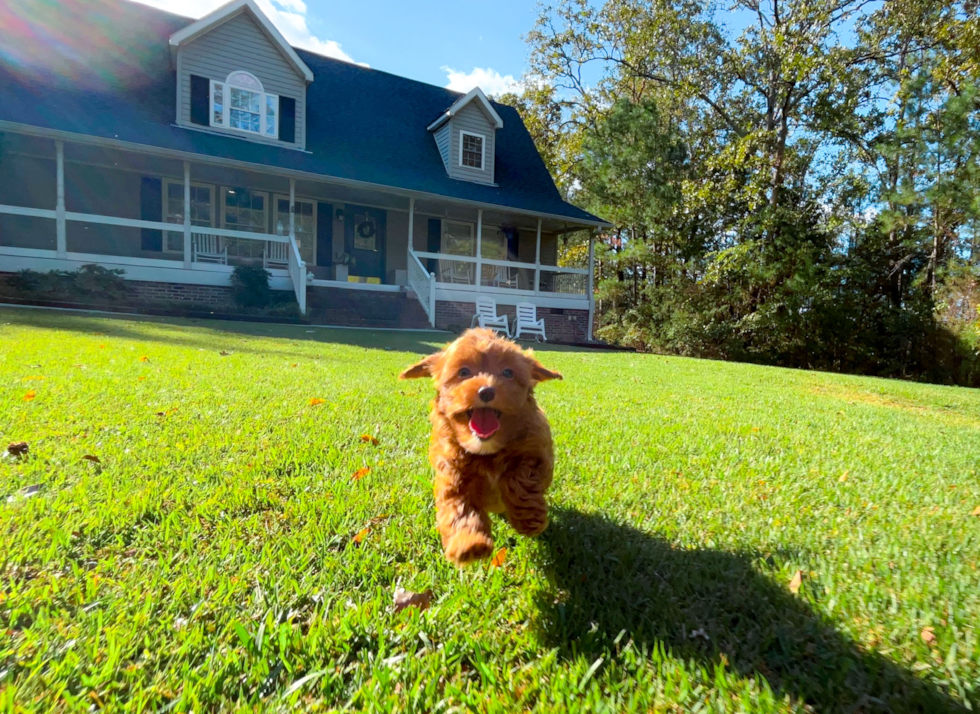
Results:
487 394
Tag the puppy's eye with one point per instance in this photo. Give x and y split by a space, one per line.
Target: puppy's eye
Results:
508 373
464 372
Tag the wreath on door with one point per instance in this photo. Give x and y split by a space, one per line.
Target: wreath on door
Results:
367 229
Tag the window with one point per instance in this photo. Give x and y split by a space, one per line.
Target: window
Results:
305 223
457 238
241 103
471 150
202 211
244 210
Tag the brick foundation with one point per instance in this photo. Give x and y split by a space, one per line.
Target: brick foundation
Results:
560 324
215 296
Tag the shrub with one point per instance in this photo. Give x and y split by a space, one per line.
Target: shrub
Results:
250 286
89 280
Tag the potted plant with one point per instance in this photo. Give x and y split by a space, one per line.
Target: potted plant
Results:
343 262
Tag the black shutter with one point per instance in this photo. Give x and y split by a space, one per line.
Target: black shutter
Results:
200 99
151 209
324 234
287 119
434 242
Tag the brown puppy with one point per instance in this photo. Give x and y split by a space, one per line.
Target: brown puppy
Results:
490 446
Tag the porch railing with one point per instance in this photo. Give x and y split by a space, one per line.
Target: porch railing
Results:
424 284
297 271
68 248
522 278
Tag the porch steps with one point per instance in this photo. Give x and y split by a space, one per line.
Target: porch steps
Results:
364 308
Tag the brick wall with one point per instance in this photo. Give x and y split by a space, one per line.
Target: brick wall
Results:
561 325
210 295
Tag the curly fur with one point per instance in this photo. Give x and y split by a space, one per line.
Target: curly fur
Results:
507 473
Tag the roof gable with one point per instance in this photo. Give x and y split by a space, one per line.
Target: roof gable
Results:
233 9
474 95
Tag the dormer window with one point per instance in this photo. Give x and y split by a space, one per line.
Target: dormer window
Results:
241 103
471 152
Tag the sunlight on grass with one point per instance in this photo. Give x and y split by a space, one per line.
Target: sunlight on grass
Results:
216 515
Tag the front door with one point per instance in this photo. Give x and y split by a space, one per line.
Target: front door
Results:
364 241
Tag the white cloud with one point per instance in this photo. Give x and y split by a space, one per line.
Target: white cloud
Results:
489 80
289 16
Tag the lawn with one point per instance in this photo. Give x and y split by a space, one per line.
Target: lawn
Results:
187 533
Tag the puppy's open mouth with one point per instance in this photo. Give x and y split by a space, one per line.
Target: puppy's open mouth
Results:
484 422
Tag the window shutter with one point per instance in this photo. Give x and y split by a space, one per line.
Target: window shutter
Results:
324 234
434 242
287 119
151 209
200 100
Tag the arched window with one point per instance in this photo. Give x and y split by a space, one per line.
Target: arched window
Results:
241 103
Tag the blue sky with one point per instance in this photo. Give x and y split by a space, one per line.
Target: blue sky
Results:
441 42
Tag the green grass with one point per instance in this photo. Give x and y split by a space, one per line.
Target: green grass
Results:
207 562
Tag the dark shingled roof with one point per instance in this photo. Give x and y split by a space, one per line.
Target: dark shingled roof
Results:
103 68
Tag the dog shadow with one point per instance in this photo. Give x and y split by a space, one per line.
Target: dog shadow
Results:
710 607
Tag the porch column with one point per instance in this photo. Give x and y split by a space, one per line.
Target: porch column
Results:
187 215
591 286
61 230
292 210
411 233
537 260
479 249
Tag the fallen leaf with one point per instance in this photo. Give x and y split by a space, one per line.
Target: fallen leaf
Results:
843 477
29 396
35 378
101 347
361 535
140 379
976 511
928 635
316 400
361 473
406 598
379 519
796 582
224 354
160 413
295 364
144 358
499 558
368 439
93 458
18 449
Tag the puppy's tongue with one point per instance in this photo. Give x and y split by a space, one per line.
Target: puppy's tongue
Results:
484 423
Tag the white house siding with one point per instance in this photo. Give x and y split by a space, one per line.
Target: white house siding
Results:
442 141
472 119
239 44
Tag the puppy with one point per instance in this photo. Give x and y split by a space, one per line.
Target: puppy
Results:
491 445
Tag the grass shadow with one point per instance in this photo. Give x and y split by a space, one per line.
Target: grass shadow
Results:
112 325
710 606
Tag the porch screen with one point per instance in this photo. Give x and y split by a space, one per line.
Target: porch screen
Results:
244 210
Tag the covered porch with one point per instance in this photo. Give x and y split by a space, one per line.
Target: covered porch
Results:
68 202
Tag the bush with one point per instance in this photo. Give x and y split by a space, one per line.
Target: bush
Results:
87 281
250 286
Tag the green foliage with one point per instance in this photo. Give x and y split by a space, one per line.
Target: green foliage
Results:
90 281
206 561
250 286
779 195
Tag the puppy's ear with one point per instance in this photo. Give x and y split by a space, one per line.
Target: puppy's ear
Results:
539 373
426 368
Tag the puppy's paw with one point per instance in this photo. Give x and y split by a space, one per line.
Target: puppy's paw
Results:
466 546
530 525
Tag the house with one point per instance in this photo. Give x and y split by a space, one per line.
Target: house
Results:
177 149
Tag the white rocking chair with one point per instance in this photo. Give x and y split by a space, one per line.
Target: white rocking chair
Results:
207 248
455 271
486 316
528 322
275 256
